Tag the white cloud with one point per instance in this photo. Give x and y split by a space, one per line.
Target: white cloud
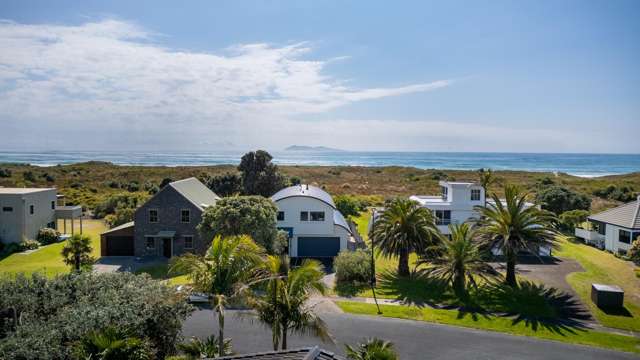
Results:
111 81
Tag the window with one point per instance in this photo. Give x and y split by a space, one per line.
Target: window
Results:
443 217
280 216
153 216
51 225
475 194
317 216
151 243
624 236
185 216
31 209
188 242
445 191
53 205
304 216
7 209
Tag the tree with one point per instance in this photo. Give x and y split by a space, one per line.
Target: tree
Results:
560 199
347 205
460 260
113 344
634 251
513 226
486 179
209 348
77 251
239 215
121 216
404 227
227 184
571 219
227 266
165 182
372 349
259 175
284 304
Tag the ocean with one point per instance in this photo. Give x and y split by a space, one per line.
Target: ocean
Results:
586 165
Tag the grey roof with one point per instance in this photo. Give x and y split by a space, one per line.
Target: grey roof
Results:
339 220
310 353
22 191
305 191
119 227
627 215
196 192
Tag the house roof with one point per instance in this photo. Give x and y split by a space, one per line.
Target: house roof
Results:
627 215
21 191
119 227
196 192
304 191
338 219
310 353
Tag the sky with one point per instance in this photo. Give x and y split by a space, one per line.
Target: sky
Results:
485 76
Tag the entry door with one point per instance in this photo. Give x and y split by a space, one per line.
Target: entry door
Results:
167 247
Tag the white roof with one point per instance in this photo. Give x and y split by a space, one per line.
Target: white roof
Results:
20 191
304 191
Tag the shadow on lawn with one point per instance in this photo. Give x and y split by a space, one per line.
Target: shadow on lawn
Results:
417 289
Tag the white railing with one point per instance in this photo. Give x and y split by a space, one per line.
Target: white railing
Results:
589 236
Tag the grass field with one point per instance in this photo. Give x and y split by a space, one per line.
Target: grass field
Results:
501 324
47 259
602 267
160 272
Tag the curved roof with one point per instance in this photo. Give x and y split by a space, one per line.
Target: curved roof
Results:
339 220
304 191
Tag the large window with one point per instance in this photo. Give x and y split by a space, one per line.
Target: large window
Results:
475 194
443 217
304 216
280 216
151 243
317 216
7 209
188 242
153 215
624 236
53 205
185 216
31 209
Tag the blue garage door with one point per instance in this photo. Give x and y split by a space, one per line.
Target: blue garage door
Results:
318 246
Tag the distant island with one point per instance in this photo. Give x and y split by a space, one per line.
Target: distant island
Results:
310 148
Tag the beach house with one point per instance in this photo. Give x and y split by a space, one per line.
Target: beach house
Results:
614 229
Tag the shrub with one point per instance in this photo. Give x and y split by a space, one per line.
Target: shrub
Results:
48 236
347 205
5 173
122 216
560 199
114 202
570 219
29 176
353 267
634 252
28 244
133 186
224 185
11 248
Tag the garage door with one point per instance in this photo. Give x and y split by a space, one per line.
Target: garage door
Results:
318 246
119 245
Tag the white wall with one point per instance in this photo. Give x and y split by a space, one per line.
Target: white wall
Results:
611 242
20 223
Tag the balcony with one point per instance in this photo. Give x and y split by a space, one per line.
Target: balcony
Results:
590 237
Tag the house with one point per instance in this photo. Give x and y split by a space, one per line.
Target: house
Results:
24 211
614 229
316 228
166 225
308 353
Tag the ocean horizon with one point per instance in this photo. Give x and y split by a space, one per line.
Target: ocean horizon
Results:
584 165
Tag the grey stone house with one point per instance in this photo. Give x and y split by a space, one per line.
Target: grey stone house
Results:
166 225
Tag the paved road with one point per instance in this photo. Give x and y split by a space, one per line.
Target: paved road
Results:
413 339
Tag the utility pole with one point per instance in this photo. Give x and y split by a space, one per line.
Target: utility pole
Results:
373 261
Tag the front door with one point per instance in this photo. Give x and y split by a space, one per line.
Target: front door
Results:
167 247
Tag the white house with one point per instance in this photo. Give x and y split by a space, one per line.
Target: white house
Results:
613 229
316 228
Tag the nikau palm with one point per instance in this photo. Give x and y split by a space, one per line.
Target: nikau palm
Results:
372 349
284 305
227 266
513 226
460 260
404 227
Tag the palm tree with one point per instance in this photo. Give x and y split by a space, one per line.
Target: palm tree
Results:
512 225
209 348
372 349
283 306
112 344
77 251
228 265
460 260
486 178
404 227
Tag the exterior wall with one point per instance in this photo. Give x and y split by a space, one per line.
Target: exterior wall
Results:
129 231
459 203
169 204
293 206
20 223
611 242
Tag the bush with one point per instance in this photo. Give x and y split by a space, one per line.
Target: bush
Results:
48 236
353 267
347 205
133 186
122 216
623 193
29 245
118 201
10 248
559 199
5 173
29 176
570 219
224 185
634 252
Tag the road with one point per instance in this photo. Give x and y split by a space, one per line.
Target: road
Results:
414 340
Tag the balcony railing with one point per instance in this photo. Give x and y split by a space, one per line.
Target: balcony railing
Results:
591 237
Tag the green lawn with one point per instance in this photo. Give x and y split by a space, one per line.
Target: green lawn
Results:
160 272
602 267
501 324
48 259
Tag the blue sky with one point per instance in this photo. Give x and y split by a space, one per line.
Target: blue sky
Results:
514 76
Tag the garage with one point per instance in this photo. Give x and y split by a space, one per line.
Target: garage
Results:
318 246
118 241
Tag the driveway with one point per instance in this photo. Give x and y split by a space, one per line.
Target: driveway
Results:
413 339
125 263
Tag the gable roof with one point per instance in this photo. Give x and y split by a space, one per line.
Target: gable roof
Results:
627 215
304 191
309 353
196 192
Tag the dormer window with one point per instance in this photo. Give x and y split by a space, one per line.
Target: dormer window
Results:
475 194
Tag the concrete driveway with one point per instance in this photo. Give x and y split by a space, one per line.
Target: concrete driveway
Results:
125 263
413 339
